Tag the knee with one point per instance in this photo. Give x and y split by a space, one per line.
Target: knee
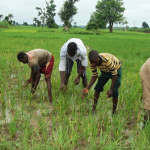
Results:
48 79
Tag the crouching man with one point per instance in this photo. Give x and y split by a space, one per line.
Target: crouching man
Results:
110 68
40 61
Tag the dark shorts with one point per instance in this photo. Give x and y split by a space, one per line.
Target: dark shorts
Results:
103 79
47 70
69 65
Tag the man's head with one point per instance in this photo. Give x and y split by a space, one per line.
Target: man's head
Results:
72 49
94 58
22 57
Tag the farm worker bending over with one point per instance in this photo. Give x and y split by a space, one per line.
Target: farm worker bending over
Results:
73 50
40 61
145 79
110 68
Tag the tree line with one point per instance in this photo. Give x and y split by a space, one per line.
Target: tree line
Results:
107 12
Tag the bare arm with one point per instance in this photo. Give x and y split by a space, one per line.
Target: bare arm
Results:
77 80
37 76
92 81
31 77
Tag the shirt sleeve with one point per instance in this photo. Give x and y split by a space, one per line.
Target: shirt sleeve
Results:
94 70
62 64
83 53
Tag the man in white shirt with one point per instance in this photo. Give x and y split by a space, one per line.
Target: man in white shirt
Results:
73 50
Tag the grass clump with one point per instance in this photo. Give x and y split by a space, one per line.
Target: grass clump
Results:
4 24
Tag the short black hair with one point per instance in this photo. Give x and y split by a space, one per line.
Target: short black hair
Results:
93 55
21 55
72 48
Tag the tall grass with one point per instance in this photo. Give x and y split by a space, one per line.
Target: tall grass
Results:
4 24
68 123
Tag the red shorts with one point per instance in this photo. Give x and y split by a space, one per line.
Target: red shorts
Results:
47 70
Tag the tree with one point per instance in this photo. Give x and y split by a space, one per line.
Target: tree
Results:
49 14
75 24
1 16
13 22
67 11
42 20
145 25
10 16
95 23
110 11
38 23
35 21
6 18
25 23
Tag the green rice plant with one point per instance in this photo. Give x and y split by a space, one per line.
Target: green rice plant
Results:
68 123
13 125
62 141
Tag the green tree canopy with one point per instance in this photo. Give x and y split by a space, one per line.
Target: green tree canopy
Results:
25 23
110 11
67 11
145 25
6 18
49 14
95 23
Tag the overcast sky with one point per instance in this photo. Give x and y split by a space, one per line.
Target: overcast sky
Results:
136 11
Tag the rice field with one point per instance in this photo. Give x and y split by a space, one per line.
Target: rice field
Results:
29 122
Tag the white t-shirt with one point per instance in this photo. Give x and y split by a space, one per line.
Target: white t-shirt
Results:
81 54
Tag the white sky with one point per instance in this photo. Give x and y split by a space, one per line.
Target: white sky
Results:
136 11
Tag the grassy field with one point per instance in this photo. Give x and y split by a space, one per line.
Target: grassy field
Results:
30 123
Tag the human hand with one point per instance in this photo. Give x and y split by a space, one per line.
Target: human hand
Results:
33 90
109 93
84 93
77 81
85 90
63 87
29 80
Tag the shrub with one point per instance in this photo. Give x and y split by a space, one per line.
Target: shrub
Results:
91 26
4 24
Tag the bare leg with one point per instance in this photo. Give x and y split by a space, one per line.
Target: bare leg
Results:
96 96
66 78
115 102
84 81
48 81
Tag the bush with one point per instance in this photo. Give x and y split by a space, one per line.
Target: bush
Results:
91 26
54 25
4 24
